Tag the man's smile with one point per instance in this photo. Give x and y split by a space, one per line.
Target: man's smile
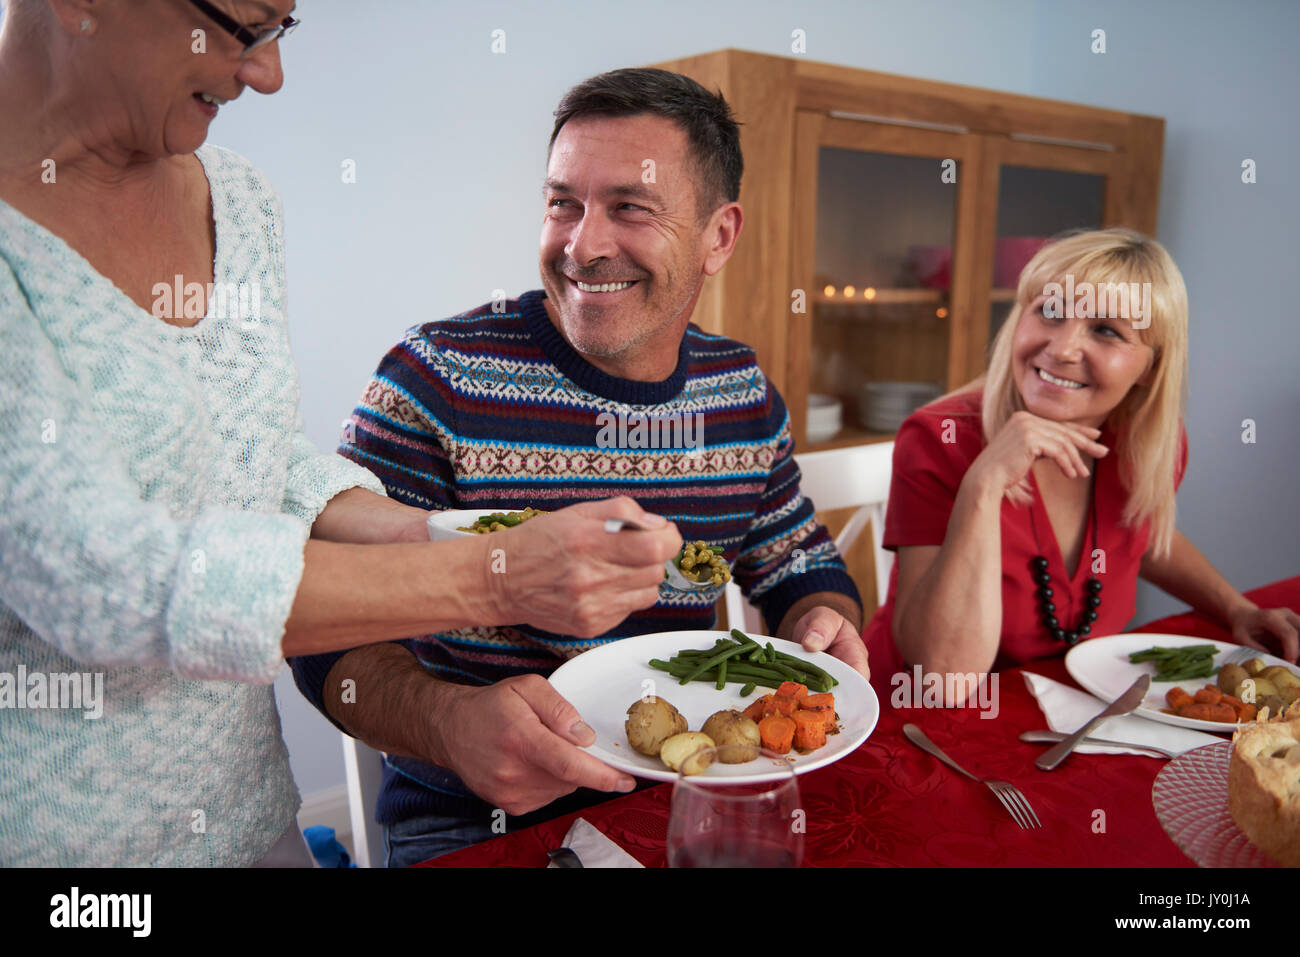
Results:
604 287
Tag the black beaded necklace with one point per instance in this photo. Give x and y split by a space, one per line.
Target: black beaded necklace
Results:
1092 599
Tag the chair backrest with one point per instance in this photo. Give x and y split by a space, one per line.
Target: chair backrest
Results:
364 767
834 479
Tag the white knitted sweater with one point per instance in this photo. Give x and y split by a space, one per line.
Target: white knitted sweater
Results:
156 492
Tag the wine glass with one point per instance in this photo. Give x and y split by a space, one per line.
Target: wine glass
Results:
717 820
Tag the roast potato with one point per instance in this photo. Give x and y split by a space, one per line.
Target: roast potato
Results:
1254 666
1263 688
735 736
652 721
681 751
1231 677
1281 677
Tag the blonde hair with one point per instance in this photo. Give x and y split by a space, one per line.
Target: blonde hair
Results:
1148 421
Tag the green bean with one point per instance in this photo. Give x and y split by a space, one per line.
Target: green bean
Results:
697 653
743 660
711 662
809 667
737 671
712 674
1178 664
784 669
754 671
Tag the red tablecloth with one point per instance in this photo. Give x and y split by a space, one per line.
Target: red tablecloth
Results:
889 803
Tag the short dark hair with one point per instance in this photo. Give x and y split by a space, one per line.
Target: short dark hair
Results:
712 133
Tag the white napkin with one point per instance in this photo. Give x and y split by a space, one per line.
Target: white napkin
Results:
1068 708
595 849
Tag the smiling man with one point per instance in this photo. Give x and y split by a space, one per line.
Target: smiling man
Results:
510 405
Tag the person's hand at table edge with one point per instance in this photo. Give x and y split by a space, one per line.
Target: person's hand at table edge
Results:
1254 626
819 626
518 744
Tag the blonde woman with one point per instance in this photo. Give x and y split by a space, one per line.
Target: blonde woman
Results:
1024 507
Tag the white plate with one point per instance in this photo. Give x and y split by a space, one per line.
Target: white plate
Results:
604 682
1101 667
443 525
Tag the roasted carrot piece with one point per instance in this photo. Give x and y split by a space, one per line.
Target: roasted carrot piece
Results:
1209 695
1238 706
1235 702
1224 712
792 689
1176 698
1247 712
824 704
777 733
810 730
1204 711
783 705
817 702
759 709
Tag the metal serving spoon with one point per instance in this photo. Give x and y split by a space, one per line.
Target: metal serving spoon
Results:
675 577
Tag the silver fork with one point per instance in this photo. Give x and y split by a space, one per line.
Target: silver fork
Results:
675 577
1008 794
1240 656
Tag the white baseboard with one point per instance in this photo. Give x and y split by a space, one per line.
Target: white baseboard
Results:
329 807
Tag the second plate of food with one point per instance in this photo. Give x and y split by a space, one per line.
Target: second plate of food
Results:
1102 667
604 682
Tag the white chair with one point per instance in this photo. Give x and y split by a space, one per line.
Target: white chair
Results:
364 767
838 478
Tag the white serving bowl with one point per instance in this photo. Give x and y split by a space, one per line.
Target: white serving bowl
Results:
443 525
825 417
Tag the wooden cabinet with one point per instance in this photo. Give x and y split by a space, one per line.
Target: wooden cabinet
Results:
886 219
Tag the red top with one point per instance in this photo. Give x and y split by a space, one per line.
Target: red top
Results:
927 473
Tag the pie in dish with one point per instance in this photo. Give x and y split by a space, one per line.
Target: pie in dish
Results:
1264 787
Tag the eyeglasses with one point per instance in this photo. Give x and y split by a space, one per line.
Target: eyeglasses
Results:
251 41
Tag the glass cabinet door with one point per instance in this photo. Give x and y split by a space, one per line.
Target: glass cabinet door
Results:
882 271
1036 201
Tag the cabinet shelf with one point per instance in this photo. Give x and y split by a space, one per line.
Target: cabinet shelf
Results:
846 438
894 297
883 297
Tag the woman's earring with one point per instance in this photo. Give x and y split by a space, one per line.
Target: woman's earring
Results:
85 26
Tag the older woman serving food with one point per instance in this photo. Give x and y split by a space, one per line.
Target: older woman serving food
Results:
1024 508
165 526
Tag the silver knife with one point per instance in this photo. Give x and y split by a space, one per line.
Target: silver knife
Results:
1125 703
1052 737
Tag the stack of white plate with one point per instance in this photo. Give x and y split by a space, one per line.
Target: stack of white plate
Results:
825 417
884 405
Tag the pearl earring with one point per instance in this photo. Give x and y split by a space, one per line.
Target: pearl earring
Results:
85 25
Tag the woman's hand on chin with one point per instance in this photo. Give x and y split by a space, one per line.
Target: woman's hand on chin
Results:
1026 438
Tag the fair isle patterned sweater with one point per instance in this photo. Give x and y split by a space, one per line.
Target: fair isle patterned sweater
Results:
156 492
494 409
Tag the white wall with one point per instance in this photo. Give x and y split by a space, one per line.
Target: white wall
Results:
449 142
